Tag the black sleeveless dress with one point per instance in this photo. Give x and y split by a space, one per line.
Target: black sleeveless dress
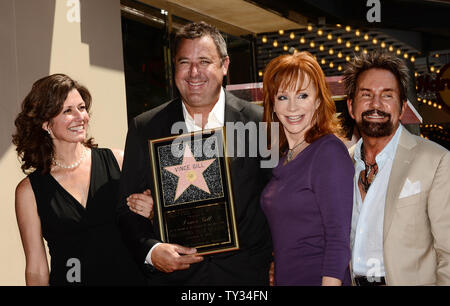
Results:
85 244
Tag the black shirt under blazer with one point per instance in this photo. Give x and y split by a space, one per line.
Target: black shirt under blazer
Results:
247 266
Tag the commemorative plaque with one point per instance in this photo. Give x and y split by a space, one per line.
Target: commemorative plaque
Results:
193 198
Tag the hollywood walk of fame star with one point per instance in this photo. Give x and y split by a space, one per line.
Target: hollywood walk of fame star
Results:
190 172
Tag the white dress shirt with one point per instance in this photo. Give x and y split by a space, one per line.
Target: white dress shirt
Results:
216 116
368 215
216 119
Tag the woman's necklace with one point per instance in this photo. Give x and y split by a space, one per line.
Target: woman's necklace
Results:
368 175
75 164
291 151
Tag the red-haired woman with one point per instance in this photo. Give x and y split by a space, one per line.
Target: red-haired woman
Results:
69 196
308 202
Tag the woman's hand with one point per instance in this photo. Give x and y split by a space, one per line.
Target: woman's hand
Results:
141 204
331 281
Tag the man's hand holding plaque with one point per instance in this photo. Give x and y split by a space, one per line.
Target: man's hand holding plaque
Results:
168 257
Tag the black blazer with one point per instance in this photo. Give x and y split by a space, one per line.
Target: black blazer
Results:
247 266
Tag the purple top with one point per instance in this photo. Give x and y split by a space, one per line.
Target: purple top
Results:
308 204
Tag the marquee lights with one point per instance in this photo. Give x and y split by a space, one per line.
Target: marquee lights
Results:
340 53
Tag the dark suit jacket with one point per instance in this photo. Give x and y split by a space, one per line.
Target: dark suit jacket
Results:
247 266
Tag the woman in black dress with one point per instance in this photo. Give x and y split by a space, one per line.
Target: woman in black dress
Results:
69 196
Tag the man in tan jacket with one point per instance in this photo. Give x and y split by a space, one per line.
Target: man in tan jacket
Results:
401 213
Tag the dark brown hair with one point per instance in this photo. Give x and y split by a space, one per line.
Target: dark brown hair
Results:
376 59
44 102
197 30
283 72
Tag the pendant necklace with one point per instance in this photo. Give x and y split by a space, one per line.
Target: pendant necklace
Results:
371 170
291 151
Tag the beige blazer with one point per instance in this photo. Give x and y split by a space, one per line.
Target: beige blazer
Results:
416 231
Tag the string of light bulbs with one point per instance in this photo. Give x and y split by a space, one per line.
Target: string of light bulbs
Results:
337 54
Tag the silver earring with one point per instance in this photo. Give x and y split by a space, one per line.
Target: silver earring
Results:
48 131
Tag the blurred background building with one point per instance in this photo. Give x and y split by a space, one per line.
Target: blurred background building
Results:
333 31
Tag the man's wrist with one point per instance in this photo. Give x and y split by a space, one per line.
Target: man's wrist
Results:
148 258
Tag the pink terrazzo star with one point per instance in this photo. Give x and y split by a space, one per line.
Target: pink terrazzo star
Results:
190 172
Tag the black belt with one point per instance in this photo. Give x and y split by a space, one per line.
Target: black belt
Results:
372 281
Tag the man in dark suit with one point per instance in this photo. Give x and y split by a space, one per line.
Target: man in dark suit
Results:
201 62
